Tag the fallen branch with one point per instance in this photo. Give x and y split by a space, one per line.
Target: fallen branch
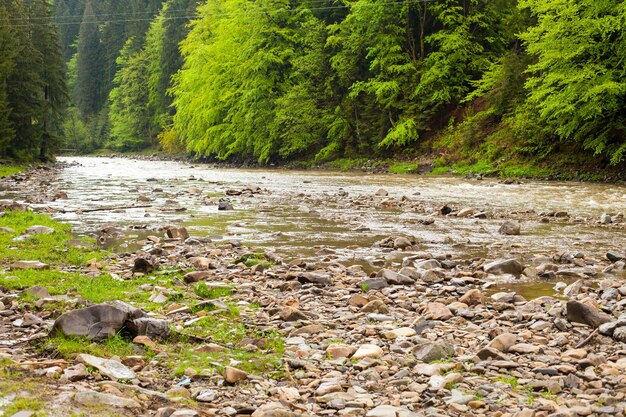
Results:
584 342
104 209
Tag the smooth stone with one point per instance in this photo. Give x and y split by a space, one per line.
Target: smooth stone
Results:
95 322
390 411
234 375
401 332
434 351
578 312
504 266
510 229
438 311
93 398
340 351
368 351
503 342
29 265
108 367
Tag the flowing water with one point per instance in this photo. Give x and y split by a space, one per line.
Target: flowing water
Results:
303 213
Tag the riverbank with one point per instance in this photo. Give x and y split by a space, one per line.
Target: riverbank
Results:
560 167
433 329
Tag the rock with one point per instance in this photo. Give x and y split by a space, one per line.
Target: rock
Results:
29 265
433 276
185 412
327 387
509 228
438 311
525 348
143 265
368 351
165 412
472 297
39 230
373 284
95 322
614 257
401 243
340 351
504 266
152 328
381 193
459 397
234 375
358 300
24 413
620 334
94 399
292 314
196 276
578 312
434 351
145 341
206 396
112 369
401 332
38 292
224 205
390 411
180 233
503 342
606 218
75 373
375 306
466 212
395 278
274 409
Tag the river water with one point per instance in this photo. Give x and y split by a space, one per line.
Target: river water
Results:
302 214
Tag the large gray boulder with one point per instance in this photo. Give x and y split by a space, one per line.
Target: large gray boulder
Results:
578 312
504 266
95 322
145 326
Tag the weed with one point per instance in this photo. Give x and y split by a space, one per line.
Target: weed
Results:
69 347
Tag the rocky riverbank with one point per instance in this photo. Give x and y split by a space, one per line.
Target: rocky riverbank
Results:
187 326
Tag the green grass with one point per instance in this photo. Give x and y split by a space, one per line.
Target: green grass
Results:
24 403
54 248
68 347
511 381
202 290
228 331
252 259
8 170
98 290
404 168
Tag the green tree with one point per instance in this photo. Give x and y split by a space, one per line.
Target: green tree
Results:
88 89
8 47
577 87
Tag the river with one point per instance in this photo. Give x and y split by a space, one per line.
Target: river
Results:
312 213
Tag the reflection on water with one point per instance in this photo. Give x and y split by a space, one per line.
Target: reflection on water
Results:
300 214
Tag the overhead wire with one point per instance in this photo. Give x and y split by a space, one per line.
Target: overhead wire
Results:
196 15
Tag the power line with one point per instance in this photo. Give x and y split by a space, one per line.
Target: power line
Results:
195 16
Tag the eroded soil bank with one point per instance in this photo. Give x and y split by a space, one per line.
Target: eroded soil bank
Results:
307 293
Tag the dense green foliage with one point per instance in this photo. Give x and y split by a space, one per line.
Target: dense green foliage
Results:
272 80
32 81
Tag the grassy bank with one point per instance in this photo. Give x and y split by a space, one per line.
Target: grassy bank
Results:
78 273
8 170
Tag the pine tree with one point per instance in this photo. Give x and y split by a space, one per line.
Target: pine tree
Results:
8 47
88 90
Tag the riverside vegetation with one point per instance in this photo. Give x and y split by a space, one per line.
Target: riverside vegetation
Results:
187 326
519 87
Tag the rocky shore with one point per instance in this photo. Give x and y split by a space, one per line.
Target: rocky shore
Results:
215 328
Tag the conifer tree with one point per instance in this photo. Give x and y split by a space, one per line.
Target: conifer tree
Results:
88 91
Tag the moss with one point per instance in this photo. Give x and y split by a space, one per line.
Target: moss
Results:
211 293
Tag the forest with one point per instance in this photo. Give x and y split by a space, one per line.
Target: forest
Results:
272 81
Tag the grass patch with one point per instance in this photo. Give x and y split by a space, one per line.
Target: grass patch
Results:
24 403
236 336
54 248
253 259
8 170
68 347
98 290
404 168
202 290
511 381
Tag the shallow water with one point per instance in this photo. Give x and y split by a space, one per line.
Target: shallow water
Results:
299 214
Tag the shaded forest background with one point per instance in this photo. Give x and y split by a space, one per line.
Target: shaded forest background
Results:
489 82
